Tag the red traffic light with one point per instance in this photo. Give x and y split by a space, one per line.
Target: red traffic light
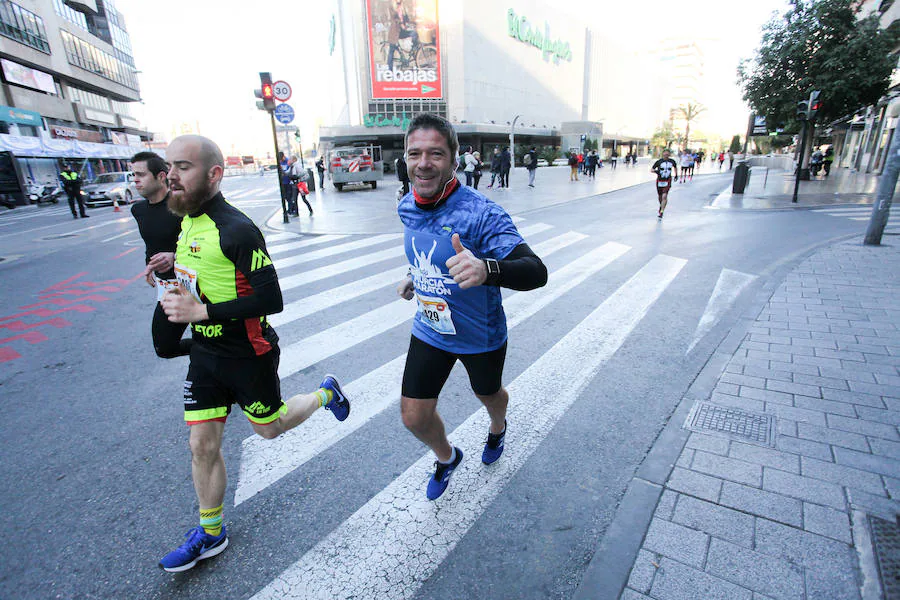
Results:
267 92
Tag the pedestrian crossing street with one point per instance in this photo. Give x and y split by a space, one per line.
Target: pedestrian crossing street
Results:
855 213
380 550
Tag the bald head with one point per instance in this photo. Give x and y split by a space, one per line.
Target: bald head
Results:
205 149
196 168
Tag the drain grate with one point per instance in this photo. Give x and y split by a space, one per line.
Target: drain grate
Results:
886 539
757 428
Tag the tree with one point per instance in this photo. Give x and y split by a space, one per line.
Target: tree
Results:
735 146
689 112
819 44
664 137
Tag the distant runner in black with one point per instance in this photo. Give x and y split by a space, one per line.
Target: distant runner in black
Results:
159 229
666 170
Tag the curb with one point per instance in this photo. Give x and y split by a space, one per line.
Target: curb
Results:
608 571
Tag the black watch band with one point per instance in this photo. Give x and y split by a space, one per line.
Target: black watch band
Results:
493 271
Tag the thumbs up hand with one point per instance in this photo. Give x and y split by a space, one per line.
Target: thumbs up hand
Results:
466 269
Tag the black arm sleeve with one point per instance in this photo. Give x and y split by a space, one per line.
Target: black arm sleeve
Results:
245 247
521 270
265 299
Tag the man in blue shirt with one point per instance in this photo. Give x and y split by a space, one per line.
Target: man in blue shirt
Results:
461 248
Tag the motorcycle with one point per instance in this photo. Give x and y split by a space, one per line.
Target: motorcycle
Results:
815 163
46 193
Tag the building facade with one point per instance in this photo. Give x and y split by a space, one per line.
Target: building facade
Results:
68 80
500 72
861 140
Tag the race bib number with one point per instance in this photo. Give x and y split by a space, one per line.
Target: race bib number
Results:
436 313
187 278
163 286
662 183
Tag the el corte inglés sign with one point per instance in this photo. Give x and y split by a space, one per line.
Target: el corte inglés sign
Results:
524 31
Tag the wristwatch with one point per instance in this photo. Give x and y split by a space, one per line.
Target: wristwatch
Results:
493 271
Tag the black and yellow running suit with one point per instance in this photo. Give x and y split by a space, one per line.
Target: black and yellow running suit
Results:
235 279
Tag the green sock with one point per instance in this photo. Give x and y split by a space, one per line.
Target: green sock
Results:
324 396
211 520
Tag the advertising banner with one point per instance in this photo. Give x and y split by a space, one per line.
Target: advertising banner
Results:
28 77
404 48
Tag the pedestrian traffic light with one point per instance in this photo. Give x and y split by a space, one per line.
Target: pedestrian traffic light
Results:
803 110
266 92
814 104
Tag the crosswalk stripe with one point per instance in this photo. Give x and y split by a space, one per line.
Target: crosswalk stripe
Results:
279 237
534 229
331 297
319 239
338 268
844 211
396 541
338 249
263 462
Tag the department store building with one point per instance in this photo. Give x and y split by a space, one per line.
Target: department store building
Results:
492 68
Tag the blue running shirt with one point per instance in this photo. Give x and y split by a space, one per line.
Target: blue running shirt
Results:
460 321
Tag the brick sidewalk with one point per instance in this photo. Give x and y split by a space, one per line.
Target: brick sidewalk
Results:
740 520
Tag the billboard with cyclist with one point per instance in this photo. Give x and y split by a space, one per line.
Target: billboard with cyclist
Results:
404 49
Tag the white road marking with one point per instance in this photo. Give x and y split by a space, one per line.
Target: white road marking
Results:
338 249
123 234
279 237
331 297
344 336
319 239
396 541
263 462
335 269
728 287
534 229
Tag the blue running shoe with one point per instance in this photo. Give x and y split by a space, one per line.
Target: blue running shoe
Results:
438 482
493 447
339 405
199 545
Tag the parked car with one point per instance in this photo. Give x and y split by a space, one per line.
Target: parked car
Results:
106 188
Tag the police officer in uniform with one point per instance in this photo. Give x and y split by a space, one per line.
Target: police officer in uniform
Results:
72 186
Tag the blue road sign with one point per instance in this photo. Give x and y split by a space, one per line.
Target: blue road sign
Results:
284 113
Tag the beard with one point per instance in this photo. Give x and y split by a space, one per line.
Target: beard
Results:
182 202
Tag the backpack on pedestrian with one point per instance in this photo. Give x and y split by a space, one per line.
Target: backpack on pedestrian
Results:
527 159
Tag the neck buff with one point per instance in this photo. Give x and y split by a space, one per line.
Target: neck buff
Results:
449 188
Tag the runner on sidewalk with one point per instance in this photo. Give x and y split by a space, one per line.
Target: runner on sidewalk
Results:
227 287
159 228
665 169
462 248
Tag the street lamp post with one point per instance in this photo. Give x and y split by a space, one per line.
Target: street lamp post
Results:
512 144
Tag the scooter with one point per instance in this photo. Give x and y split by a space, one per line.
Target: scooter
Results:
44 193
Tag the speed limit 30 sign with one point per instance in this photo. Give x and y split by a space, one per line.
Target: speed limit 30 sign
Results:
281 91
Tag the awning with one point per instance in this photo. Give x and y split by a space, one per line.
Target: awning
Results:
21 145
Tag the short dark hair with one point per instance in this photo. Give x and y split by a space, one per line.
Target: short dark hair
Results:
155 164
439 124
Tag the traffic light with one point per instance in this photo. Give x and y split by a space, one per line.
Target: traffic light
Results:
803 110
266 92
814 104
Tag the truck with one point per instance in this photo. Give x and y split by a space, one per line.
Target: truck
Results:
355 164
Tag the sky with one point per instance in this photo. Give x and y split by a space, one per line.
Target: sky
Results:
199 60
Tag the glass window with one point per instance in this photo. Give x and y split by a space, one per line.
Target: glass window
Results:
23 26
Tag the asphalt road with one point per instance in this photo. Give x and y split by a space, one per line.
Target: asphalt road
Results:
97 468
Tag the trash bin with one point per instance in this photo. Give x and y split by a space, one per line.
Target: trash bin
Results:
311 180
741 177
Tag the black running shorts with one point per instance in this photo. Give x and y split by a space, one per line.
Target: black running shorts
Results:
427 369
663 185
214 383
